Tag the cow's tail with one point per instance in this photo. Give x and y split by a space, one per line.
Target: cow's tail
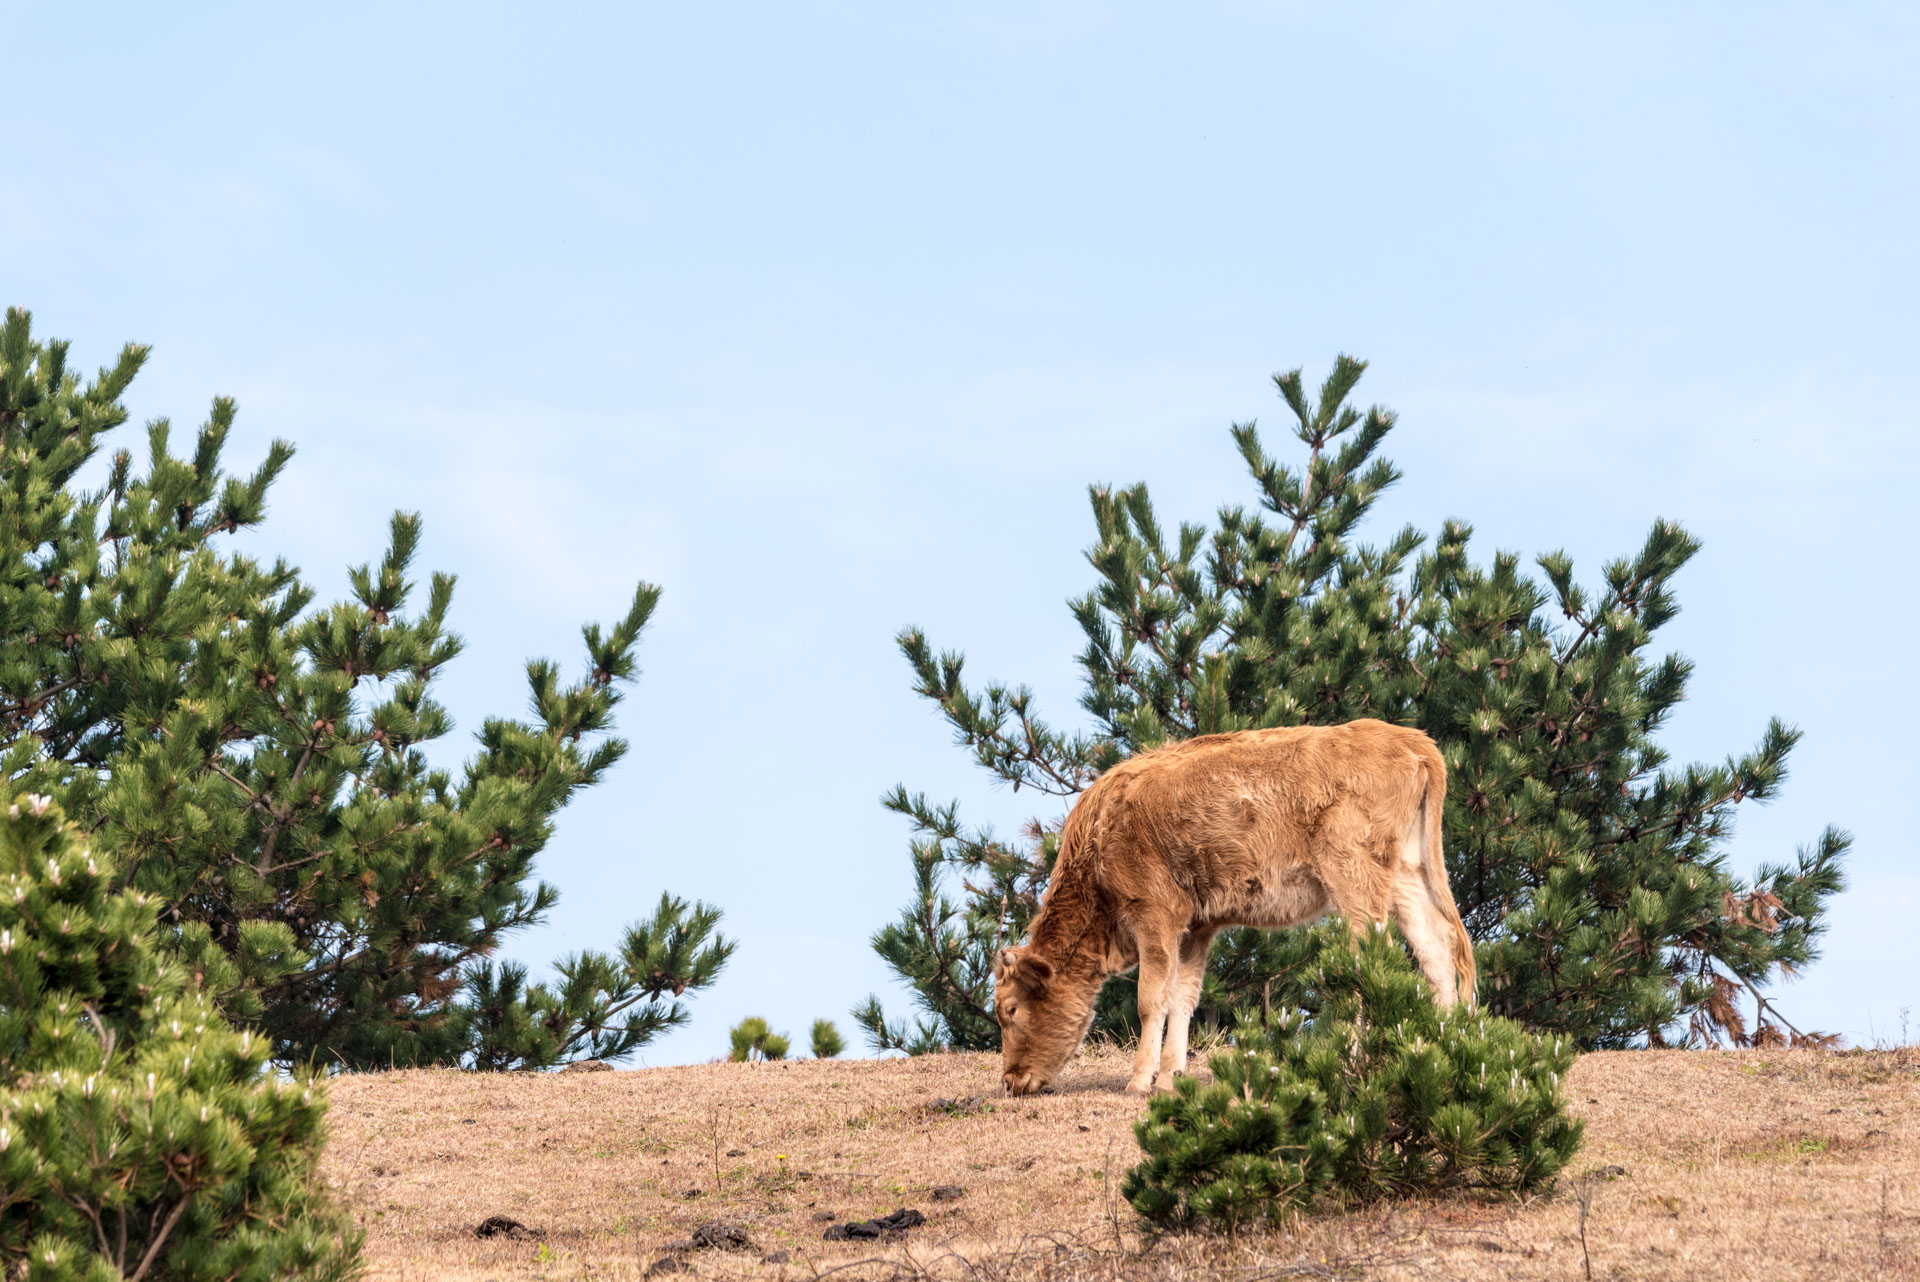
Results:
1433 864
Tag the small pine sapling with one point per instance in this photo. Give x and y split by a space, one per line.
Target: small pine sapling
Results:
827 1042
1377 1093
753 1040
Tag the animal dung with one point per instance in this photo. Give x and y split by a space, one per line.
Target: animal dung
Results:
715 1235
885 1228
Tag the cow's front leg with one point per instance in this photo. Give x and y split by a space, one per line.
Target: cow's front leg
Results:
1159 966
1186 995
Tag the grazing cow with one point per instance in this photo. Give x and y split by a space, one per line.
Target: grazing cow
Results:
1261 828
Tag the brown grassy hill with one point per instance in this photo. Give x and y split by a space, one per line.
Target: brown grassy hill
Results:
1750 1165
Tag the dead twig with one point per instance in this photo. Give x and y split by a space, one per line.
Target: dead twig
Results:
892 1265
1886 1248
1583 1191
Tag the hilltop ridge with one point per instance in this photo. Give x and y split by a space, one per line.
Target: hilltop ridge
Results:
1734 1165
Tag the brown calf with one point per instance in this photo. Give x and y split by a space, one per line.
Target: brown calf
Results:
1262 828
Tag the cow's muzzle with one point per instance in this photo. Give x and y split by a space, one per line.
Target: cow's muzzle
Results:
1023 1083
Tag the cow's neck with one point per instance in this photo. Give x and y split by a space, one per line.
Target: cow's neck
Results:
1070 931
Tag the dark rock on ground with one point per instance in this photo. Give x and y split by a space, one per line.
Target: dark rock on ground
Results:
503 1226
948 1192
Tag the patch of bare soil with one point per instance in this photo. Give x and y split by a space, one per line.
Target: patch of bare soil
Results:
1749 1165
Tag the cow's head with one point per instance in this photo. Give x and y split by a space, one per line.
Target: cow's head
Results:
1041 1021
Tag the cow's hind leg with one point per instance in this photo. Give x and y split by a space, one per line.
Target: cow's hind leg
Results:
1159 967
1186 995
1429 932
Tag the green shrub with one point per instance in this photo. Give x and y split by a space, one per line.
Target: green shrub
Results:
140 1134
1377 1093
752 1039
827 1041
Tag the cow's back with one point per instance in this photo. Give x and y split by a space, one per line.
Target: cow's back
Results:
1234 821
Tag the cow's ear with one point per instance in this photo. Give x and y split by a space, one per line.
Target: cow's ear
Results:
1033 971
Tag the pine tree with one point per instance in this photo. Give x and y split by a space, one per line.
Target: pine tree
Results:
257 764
140 1134
753 1040
1376 1093
1592 872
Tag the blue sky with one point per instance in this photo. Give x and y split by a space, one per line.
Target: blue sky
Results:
824 316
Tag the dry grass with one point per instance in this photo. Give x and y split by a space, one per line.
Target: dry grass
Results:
1750 1165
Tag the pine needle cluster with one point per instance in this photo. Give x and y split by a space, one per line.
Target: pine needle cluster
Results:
1375 1094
